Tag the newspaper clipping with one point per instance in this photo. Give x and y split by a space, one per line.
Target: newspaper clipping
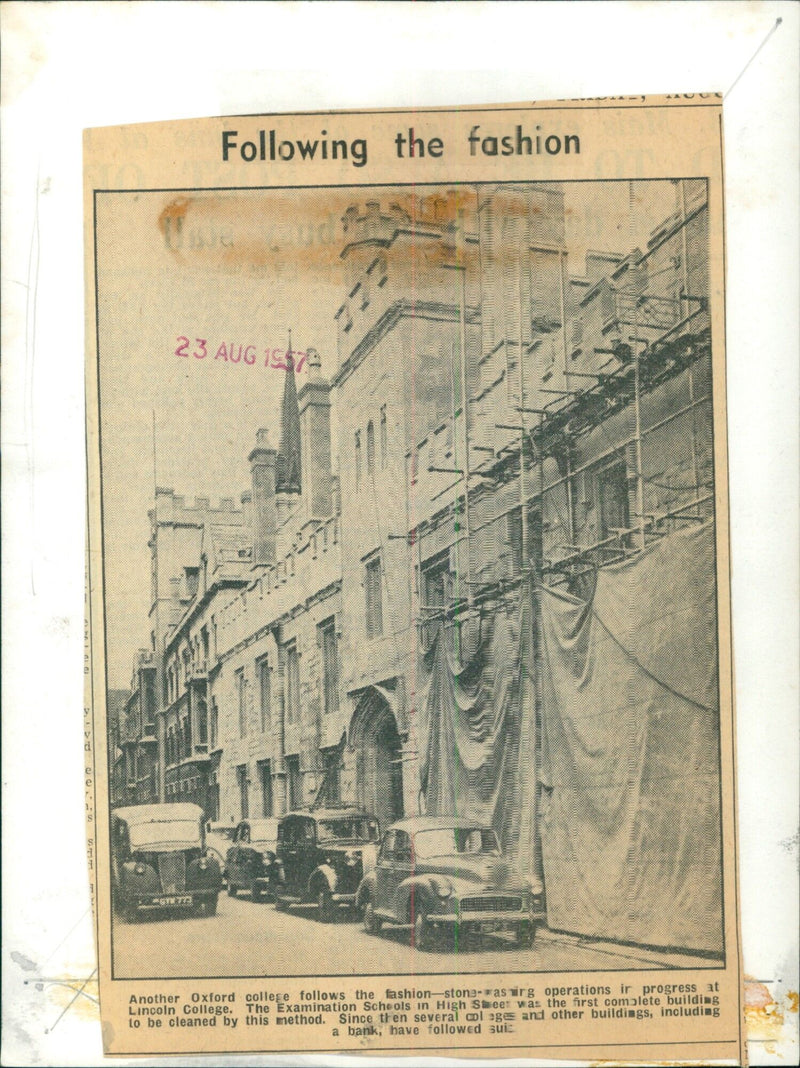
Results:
409 699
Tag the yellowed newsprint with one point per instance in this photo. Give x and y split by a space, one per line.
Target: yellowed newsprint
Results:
410 680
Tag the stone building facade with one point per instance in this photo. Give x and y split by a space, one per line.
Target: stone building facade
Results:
286 633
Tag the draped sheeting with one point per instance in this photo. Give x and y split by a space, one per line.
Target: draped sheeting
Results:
630 819
477 729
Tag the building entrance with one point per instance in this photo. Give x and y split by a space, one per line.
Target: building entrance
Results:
388 755
379 761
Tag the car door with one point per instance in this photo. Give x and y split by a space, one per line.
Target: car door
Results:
401 870
306 853
234 862
289 854
245 856
384 874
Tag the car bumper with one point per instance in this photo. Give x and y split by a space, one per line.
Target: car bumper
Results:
185 900
344 899
488 917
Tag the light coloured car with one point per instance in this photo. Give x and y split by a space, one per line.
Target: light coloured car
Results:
444 875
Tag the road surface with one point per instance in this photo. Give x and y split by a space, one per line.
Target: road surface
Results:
249 939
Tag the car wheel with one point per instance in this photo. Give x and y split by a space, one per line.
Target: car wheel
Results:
326 909
372 923
525 934
422 932
255 893
130 913
231 889
211 906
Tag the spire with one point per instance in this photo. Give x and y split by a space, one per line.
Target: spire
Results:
287 464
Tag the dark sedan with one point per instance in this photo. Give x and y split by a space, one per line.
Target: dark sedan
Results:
249 861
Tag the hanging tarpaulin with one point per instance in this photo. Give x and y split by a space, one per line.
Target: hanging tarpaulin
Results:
630 763
477 731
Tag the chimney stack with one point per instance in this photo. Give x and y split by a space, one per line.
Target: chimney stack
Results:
262 468
315 434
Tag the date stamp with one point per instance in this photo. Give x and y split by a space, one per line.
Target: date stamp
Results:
276 359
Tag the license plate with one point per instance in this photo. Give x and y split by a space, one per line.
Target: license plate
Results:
489 926
182 899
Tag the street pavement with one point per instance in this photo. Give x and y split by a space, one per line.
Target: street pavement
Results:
247 938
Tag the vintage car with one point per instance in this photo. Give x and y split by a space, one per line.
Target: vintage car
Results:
443 875
249 859
159 860
322 856
218 842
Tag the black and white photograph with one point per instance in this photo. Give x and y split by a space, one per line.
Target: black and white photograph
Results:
410 576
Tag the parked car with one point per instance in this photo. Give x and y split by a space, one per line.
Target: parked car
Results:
159 860
250 858
218 842
322 856
446 875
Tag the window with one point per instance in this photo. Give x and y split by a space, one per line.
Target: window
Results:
384 438
191 577
372 589
331 792
292 682
330 665
243 784
531 556
202 722
214 722
293 777
437 581
187 737
371 449
150 704
402 847
241 700
612 499
438 592
264 693
265 779
358 459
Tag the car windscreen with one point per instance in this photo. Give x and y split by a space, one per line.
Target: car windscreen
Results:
448 841
348 828
174 834
264 835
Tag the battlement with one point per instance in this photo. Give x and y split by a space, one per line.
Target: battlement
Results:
310 568
170 507
376 221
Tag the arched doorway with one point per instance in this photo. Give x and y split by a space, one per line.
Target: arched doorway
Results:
379 757
388 757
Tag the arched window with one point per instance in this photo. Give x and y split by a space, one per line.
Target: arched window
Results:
370 448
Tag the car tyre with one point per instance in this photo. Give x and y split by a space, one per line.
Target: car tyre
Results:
211 905
372 923
129 913
231 889
524 935
281 904
255 893
326 910
422 932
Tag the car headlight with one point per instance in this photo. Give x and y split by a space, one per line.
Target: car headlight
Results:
139 869
535 886
442 888
203 863
351 858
